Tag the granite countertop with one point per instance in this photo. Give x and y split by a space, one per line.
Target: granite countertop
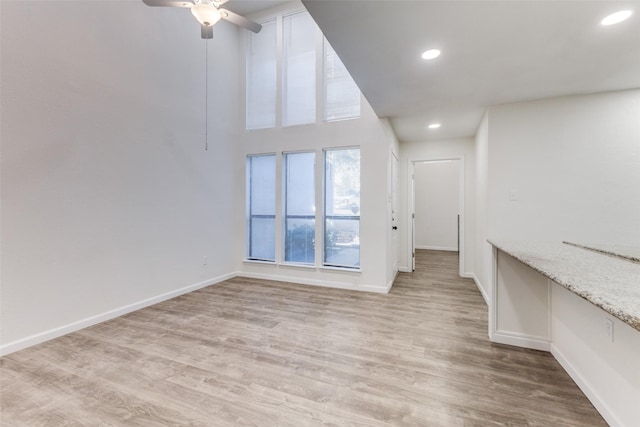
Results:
609 282
630 253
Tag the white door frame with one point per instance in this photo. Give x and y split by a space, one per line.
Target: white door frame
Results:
411 208
395 212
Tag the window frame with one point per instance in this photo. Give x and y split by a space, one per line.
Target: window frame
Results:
278 17
285 216
277 60
283 107
250 216
324 263
323 101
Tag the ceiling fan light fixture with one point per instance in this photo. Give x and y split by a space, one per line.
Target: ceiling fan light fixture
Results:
206 14
616 18
430 54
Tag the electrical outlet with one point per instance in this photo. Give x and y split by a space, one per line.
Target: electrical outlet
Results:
608 324
513 196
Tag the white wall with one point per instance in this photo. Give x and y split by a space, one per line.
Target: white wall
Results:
482 269
437 150
558 169
368 133
393 236
573 166
373 137
108 197
436 204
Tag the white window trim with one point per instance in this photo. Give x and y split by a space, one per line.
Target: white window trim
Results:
322 264
283 205
248 210
278 13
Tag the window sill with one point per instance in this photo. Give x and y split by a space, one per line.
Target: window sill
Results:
256 261
291 265
341 269
341 119
294 265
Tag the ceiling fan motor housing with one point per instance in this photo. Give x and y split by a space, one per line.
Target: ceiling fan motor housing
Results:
206 14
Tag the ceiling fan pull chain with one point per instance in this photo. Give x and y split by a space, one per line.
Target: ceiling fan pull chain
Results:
206 95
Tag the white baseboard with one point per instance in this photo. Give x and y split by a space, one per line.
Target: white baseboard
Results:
314 282
375 289
519 340
586 388
392 281
111 314
32 340
404 269
437 248
480 288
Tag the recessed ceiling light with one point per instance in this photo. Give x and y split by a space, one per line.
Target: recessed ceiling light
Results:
430 54
434 125
616 18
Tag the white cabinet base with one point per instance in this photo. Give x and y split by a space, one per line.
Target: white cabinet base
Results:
605 367
521 314
599 352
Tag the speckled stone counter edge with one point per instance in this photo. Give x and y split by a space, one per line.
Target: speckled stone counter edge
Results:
610 252
569 282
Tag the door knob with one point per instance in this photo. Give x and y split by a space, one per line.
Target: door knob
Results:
395 227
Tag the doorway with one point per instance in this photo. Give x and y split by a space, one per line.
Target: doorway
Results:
436 207
395 239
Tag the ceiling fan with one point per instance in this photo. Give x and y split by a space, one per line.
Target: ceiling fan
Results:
208 13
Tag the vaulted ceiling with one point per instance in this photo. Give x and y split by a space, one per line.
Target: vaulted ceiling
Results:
493 52
246 7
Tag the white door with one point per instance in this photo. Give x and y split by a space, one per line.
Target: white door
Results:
395 241
412 254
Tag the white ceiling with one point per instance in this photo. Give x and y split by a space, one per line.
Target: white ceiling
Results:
493 52
247 7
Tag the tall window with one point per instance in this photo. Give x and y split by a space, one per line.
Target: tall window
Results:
342 208
261 77
341 94
261 207
299 209
299 69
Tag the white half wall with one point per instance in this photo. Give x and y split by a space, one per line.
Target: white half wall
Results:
109 200
438 150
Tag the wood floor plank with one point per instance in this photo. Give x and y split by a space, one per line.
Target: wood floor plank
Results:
249 352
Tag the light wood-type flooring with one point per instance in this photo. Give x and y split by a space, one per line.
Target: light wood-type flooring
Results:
260 353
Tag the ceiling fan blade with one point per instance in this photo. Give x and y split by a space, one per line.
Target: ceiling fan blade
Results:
206 31
218 3
240 21
168 3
